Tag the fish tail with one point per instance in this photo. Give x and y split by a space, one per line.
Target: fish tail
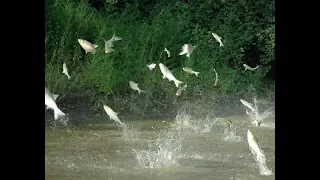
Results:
197 74
177 83
58 113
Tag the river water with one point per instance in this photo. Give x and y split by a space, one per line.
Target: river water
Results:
184 147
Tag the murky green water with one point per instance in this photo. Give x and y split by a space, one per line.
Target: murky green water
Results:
158 149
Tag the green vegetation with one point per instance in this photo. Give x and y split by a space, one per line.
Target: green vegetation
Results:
247 29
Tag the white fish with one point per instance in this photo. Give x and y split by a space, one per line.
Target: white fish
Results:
191 71
50 102
114 38
65 70
168 74
107 47
181 88
248 105
187 49
113 115
218 39
55 96
87 46
226 121
250 68
134 86
253 142
259 155
152 66
216 81
168 52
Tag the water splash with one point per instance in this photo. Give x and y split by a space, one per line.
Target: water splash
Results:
229 134
260 159
184 121
162 153
63 122
258 154
255 117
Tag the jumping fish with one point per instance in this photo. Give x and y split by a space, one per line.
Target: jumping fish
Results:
216 81
249 68
168 74
218 39
152 66
168 52
65 70
181 88
87 46
55 96
50 102
258 154
113 115
191 71
187 49
134 86
248 105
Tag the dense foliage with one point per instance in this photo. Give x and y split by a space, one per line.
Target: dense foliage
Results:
247 28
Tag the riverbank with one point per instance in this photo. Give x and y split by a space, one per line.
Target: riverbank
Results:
85 109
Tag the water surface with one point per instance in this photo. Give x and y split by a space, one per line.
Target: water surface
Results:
181 148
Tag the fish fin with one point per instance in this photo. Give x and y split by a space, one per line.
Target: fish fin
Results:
117 38
95 46
58 113
177 83
182 52
55 96
86 52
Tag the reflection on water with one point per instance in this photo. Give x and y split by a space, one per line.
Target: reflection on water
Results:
180 148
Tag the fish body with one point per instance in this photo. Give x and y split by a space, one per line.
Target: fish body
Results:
113 115
55 97
168 52
253 142
216 81
109 44
248 105
258 153
181 88
218 39
250 68
134 86
114 38
65 70
187 49
168 74
87 46
226 121
152 66
51 103
191 71
107 47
